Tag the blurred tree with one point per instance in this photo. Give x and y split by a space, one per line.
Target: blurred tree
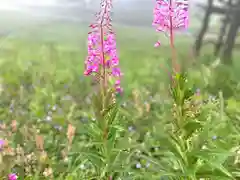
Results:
232 34
204 28
223 29
230 9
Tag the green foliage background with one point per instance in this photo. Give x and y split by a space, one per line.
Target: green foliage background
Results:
155 132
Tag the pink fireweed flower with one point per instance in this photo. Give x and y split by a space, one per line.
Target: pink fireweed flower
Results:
118 87
12 176
170 15
2 143
157 44
102 60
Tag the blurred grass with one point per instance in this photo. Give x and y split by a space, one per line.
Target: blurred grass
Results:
42 66
69 42
64 45
69 47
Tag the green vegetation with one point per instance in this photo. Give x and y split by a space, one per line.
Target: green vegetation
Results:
186 135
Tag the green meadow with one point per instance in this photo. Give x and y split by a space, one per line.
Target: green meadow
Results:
153 136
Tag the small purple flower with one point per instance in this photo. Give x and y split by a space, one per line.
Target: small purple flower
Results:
214 137
57 127
12 176
130 128
138 165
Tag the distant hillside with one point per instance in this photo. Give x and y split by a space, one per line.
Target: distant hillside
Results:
134 12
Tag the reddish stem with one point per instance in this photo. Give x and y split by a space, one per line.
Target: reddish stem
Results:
175 66
102 48
104 85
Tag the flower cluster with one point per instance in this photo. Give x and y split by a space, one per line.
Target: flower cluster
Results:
102 60
170 15
12 176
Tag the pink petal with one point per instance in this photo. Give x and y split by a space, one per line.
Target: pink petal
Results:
157 44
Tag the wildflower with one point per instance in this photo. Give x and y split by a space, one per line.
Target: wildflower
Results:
102 61
138 165
48 118
170 14
2 143
130 128
157 44
214 137
12 176
57 127
118 87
